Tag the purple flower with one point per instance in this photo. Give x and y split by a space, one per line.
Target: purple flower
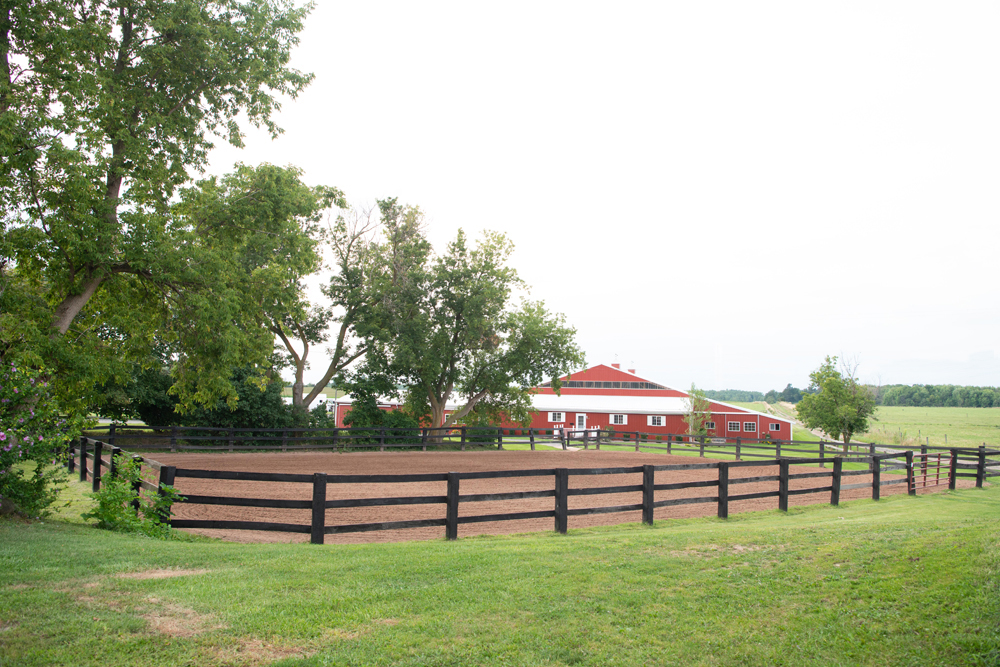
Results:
3 436
39 438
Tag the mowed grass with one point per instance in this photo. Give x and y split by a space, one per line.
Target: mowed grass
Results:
905 581
964 427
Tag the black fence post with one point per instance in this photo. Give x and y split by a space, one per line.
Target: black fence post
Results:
838 469
98 445
822 453
562 489
500 439
71 460
317 531
777 449
463 438
284 441
669 441
562 438
876 478
871 453
173 439
739 441
451 515
167 474
783 485
648 475
231 434
113 468
981 466
137 484
701 446
111 436
953 470
911 486
381 439
83 459
531 438
723 490
423 439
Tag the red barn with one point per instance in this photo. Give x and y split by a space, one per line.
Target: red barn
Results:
608 396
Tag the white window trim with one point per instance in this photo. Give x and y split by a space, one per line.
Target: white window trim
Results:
729 427
775 426
623 422
750 427
650 418
709 426
552 418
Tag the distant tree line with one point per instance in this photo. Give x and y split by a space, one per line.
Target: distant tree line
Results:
937 396
789 395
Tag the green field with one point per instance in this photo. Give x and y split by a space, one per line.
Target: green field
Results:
905 581
964 427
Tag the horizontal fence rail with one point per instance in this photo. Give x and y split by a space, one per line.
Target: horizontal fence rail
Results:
922 471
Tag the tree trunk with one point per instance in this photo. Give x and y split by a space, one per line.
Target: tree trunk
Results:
71 306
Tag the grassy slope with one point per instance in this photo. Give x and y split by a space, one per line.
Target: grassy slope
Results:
906 581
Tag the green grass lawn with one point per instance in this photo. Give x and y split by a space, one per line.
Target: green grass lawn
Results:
905 581
964 427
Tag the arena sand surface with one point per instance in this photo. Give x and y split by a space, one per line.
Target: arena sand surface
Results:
367 463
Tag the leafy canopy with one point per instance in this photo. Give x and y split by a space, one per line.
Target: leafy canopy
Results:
454 329
105 110
837 404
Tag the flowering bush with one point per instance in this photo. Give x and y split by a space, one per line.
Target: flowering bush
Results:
32 438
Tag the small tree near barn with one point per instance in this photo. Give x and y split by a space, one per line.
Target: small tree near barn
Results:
699 412
837 404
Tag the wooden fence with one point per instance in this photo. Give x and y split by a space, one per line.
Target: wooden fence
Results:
917 475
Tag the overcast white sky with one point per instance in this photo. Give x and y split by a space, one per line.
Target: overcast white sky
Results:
712 192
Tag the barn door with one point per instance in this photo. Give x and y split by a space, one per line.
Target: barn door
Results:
581 422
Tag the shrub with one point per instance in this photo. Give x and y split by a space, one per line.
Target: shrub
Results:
33 437
115 510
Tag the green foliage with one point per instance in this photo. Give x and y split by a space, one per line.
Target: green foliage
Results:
106 108
699 412
115 511
365 413
938 395
32 432
733 395
790 394
840 406
258 403
453 327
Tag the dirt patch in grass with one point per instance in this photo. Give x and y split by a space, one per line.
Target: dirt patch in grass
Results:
257 652
160 574
177 621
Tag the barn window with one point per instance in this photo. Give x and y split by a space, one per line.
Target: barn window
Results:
619 420
750 427
555 416
654 420
734 426
709 426
775 426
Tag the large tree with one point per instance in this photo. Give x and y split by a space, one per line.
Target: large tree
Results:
349 315
106 108
837 403
455 330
